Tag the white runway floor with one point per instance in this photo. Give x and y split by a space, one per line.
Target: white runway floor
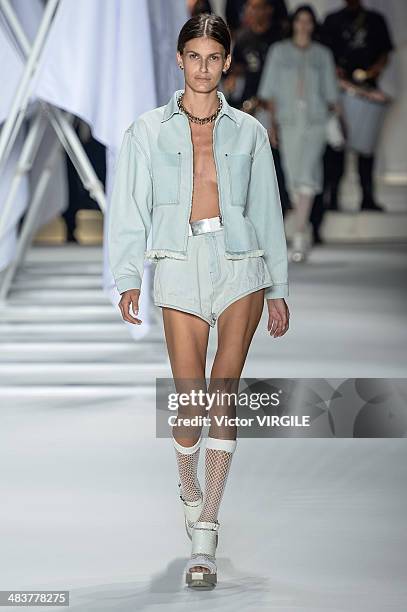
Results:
89 495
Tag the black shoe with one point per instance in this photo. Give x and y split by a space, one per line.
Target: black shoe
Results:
332 205
316 238
372 206
330 198
70 237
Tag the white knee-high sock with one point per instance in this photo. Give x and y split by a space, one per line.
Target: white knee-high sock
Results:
218 457
303 205
187 460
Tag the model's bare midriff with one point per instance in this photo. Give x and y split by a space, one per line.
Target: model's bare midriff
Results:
205 199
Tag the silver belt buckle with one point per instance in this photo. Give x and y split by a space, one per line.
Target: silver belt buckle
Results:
201 226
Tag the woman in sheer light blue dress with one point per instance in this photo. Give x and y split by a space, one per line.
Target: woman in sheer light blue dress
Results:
299 87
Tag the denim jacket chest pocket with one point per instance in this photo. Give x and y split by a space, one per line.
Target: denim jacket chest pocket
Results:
166 170
239 171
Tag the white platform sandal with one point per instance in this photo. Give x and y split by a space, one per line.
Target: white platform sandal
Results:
301 245
192 511
204 543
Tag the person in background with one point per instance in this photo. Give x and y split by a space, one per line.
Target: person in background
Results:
360 41
236 18
234 11
280 15
250 48
79 197
299 88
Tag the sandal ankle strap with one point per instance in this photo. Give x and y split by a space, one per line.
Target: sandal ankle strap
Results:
207 525
204 538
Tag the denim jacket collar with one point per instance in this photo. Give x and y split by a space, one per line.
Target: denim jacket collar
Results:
172 107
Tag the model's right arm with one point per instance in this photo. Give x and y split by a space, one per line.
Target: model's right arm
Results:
129 215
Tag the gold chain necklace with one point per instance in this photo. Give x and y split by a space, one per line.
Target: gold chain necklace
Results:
200 120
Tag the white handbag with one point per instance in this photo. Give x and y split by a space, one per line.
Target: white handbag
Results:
334 132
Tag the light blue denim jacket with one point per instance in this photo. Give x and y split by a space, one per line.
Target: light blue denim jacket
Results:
284 63
152 194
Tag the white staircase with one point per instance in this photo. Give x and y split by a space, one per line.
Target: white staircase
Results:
60 335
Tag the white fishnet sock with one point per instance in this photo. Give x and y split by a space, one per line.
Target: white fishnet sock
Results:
218 458
187 460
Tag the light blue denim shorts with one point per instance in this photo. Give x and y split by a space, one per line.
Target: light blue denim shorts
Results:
206 283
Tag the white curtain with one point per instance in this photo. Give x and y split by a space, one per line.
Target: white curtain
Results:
98 64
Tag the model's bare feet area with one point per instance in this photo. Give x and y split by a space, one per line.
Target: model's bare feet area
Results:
199 568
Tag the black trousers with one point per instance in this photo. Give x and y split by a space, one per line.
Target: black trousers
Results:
284 197
334 163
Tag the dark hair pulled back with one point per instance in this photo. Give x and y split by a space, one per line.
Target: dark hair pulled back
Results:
205 24
307 8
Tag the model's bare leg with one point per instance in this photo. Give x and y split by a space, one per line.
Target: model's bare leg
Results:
303 200
187 341
236 327
303 204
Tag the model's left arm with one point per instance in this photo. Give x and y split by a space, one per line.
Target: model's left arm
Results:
264 211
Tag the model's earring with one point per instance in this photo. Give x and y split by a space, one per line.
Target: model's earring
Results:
182 67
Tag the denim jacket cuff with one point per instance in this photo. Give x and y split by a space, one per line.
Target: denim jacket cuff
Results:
127 282
278 290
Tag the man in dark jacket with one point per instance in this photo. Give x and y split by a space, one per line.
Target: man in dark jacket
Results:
360 41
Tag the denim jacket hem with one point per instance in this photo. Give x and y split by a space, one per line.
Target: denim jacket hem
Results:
243 254
160 253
